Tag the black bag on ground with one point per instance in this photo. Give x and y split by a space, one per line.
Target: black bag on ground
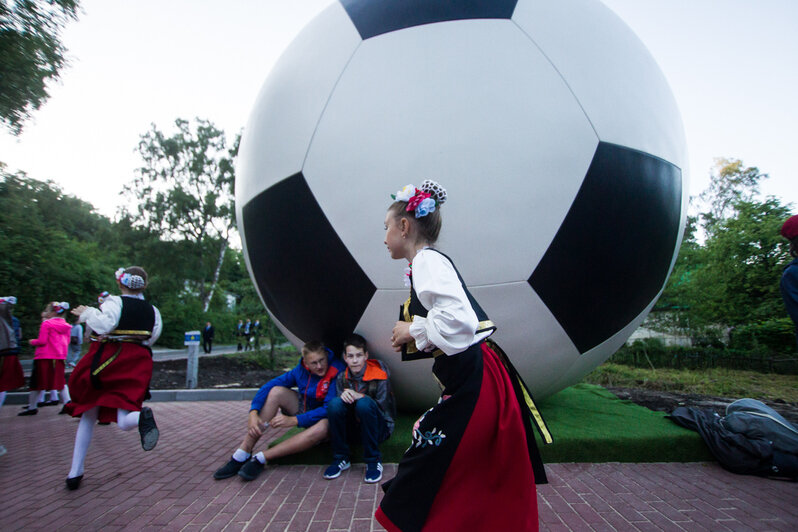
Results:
753 439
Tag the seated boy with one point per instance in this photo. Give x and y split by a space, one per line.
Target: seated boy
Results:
364 405
276 405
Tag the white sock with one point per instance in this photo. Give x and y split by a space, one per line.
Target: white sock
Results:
261 458
33 399
54 395
82 440
65 394
126 419
40 397
2 398
241 455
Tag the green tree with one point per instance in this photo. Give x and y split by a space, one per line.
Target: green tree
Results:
732 277
31 55
738 281
184 191
730 182
51 247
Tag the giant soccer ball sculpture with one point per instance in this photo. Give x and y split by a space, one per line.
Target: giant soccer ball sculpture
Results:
550 125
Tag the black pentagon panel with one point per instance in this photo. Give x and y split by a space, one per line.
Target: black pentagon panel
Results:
375 17
612 252
304 272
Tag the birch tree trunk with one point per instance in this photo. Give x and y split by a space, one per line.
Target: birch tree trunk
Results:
216 272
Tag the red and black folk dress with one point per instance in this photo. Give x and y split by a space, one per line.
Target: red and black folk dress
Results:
473 462
116 371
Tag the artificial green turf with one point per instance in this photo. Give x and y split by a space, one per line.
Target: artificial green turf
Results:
588 423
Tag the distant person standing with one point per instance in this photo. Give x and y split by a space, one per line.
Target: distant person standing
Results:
207 337
247 334
256 334
240 334
75 344
789 279
11 375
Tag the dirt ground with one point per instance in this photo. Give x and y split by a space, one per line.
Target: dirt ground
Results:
213 372
229 372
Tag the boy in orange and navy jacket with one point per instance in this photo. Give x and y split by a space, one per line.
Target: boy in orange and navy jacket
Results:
364 402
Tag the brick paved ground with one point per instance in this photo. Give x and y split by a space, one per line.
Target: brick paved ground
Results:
171 487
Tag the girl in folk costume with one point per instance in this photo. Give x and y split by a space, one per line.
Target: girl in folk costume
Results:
49 358
111 381
473 461
11 375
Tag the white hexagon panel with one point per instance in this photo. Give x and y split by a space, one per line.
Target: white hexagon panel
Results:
551 127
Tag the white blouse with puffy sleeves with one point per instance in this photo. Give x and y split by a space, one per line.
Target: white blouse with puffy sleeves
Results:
451 322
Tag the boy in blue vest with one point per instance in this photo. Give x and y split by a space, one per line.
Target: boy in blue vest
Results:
364 405
276 405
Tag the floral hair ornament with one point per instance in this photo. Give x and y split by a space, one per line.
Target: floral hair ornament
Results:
134 282
423 200
103 296
58 308
11 300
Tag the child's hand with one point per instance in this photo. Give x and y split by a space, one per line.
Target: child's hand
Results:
254 425
349 396
401 335
80 309
280 421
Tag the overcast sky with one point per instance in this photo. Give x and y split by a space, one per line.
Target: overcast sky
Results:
732 65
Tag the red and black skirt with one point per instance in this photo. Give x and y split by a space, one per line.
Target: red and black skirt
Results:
47 374
111 375
11 375
471 464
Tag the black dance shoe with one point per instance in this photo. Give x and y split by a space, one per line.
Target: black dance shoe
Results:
74 482
29 412
148 429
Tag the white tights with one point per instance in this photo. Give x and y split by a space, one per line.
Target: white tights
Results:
2 398
37 396
124 418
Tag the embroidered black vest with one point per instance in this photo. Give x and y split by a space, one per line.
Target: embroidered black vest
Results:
413 307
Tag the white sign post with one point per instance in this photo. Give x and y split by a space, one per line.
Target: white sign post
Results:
192 341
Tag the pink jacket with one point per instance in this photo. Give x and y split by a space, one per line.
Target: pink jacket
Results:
53 340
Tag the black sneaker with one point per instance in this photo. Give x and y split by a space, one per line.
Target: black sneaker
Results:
147 429
29 412
251 469
228 470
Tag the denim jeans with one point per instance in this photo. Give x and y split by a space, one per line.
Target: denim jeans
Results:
364 415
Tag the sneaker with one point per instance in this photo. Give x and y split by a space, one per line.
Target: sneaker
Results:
148 429
29 412
373 472
228 470
251 469
336 468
